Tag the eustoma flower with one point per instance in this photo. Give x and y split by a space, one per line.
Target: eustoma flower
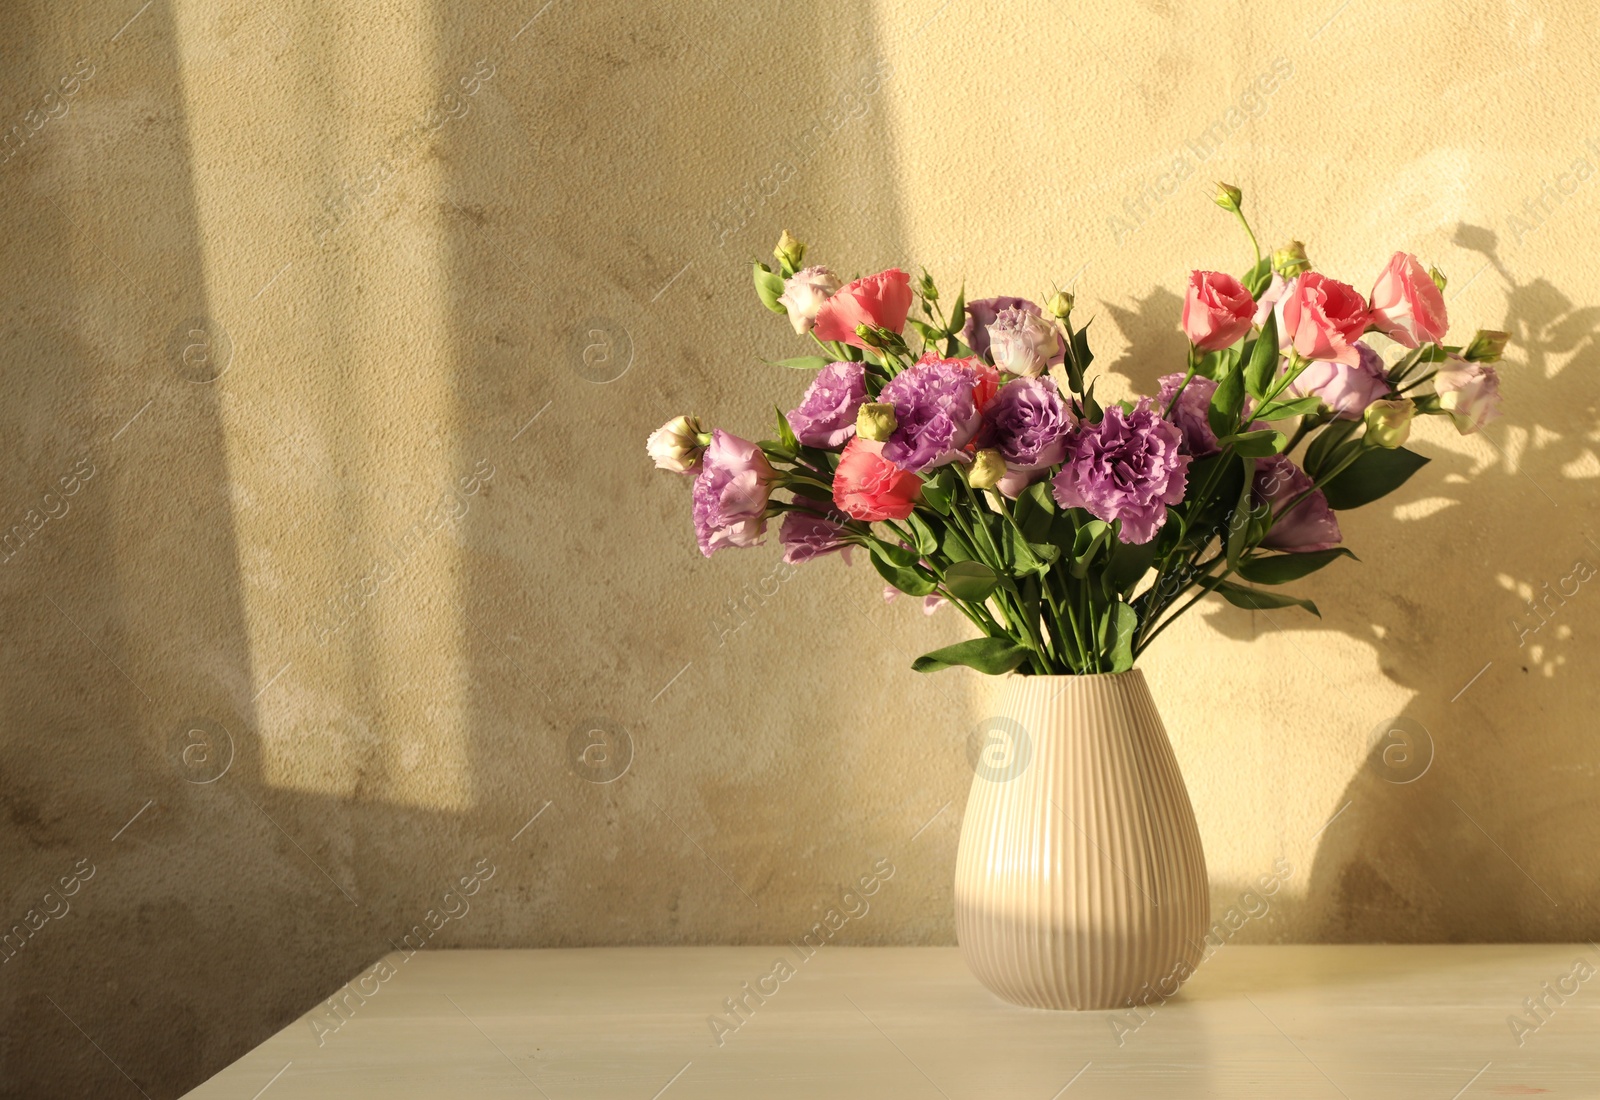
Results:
1406 304
1217 310
984 312
1189 412
826 416
1469 392
1308 525
730 494
1023 343
1128 467
935 411
880 300
803 295
1027 422
1323 317
1347 389
866 486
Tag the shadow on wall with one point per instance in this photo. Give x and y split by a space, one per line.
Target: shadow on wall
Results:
588 256
1466 823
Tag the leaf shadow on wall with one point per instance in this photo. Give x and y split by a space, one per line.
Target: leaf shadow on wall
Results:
1468 820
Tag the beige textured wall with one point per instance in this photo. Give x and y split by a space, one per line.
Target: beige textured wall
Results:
453 266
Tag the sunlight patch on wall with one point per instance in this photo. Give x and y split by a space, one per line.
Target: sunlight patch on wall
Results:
338 403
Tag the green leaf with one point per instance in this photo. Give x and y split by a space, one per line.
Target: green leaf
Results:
1035 508
1281 410
1253 599
786 433
1376 473
1215 365
803 362
1324 451
1091 408
1029 557
1283 568
1239 519
1259 277
955 547
970 580
1128 565
1263 362
895 554
958 312
1086 544
929 334
988 655
910 580
1124 625
769 287
927 541
1256 444
938 489
1223 414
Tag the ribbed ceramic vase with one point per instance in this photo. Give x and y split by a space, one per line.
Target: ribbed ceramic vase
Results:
1080 880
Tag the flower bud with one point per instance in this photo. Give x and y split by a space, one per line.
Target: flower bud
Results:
1060 304
1290 260
875 421
986 470
790 252
1438 278
1487 346
926 288
1229 197
1389 422
678 444
871 336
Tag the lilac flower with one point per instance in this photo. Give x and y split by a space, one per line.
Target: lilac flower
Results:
1189 414
984 312
1128 467
730 494
827 413
935 413
807 535
1028 423
1308 525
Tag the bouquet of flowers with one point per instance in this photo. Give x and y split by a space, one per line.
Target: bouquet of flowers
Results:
966 453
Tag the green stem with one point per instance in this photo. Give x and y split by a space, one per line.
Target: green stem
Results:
1246 223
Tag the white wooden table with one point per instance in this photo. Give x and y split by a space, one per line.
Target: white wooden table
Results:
634 1023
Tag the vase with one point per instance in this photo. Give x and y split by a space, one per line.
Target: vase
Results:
1080 879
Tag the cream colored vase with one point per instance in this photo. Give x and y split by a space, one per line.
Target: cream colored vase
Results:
1080 880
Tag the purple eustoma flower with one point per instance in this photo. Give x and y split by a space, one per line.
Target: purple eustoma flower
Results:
1345 389
1028 423
807 535
1189 413
1128 467
827 413
935 411
730 494
1306 526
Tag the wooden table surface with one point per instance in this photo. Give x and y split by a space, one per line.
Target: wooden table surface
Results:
636 1023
